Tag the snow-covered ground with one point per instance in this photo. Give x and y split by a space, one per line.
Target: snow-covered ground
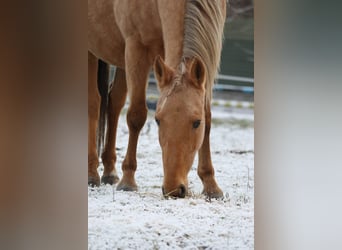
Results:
145 220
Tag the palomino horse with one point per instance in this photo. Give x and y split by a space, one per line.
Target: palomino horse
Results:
183 39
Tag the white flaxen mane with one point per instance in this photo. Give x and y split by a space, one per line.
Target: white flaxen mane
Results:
203 35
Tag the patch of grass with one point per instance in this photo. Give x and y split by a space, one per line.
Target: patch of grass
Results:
218 121
215 103
241 123
227 105
251 106
239 105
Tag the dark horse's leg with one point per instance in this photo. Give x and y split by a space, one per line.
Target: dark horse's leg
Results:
137 68
205 167
93 116
117 97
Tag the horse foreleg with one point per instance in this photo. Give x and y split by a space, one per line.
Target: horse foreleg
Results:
93 116
117 97
205 168
137 69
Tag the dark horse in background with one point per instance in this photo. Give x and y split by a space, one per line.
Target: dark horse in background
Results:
182 41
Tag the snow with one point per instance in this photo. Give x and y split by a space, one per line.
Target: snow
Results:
146 220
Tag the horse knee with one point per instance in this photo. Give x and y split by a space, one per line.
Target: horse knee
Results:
136 118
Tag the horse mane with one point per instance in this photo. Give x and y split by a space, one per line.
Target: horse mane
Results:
203 36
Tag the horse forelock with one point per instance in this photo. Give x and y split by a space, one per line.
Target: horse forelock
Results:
203 35
176 81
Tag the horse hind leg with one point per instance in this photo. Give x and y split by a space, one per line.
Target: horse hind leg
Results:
205 168
117 97
93 117
137 69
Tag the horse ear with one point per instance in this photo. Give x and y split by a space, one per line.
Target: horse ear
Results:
162 72
197 72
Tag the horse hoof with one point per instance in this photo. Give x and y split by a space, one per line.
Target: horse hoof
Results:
214 193
127 187
110 179
93 182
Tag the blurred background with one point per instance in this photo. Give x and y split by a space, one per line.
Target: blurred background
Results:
237 59
236 78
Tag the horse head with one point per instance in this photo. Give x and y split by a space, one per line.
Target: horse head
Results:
180 116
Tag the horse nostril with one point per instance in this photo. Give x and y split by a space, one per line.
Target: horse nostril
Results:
182 191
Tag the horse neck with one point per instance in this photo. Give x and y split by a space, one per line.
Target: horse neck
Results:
172 21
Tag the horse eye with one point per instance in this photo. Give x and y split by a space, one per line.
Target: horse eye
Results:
196 124
157 121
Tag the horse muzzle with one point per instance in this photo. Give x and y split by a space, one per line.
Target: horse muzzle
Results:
179 192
